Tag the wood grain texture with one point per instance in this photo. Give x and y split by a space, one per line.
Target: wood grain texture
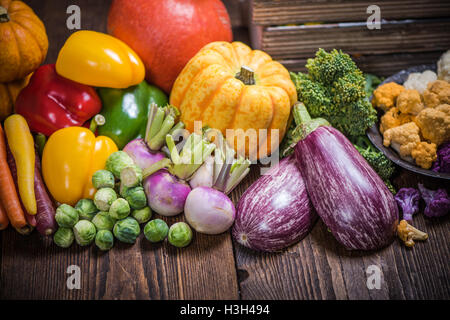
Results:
269 12
294 42
213 267
382 65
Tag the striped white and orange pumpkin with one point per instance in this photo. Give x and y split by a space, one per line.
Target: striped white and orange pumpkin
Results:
230 86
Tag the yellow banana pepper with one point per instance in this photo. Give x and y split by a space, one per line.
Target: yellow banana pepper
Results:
99 60
21 144
71 156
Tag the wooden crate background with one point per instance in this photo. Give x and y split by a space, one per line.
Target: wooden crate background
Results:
412 32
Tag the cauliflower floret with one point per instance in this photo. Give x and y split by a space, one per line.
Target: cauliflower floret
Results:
409 101
393 118
419 81
434 123
438 92
384 96
443 66
403 139
425 154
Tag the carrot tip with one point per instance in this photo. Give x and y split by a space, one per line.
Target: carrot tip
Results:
25 230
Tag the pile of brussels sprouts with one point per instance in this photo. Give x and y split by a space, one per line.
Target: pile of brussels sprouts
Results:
117 210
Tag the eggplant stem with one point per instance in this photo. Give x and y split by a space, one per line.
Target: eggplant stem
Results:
300 113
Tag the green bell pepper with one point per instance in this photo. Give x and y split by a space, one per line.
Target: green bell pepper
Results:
126 111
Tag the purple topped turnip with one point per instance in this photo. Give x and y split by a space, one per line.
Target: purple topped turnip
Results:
166 194
209 211
141 154
166 189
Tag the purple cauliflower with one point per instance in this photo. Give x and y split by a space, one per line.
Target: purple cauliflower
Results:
408 200
442 164
437 201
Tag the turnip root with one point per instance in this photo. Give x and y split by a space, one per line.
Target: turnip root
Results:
209 211
165 193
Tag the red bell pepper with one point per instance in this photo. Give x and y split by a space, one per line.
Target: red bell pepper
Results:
51 102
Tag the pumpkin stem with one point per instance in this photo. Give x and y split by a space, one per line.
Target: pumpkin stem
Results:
4 17
246 75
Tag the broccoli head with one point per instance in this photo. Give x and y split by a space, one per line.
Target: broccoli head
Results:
328 67
335 89
312 94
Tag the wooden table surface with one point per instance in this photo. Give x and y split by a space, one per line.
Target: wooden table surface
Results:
214 267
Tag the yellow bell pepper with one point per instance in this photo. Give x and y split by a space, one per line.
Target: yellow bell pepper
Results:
99 60
21 144
71 156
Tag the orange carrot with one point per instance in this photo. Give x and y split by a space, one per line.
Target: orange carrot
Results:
8 194
4 222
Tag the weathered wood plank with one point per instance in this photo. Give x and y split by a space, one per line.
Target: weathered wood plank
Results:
382 65
296 42
267 12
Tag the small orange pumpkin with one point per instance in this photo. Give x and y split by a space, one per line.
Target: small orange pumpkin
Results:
8 95
230 86
23 40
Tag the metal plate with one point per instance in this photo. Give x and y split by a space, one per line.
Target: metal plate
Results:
377 139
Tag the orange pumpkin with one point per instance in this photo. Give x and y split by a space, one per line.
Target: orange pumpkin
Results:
229 86
8 95
23 40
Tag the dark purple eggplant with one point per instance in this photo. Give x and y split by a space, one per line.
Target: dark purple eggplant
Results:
346 192
275 211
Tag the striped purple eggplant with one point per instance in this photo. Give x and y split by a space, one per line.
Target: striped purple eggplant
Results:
348 195
274 212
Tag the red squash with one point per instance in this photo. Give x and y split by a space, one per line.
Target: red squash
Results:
167 34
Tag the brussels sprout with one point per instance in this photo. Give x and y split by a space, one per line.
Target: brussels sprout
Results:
135 196
103 179
127 230
120 209
66 216
63 237
86 209
104 197
104 240
103 221
142 215
131 176
118 161
180 234
156 230
84 232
